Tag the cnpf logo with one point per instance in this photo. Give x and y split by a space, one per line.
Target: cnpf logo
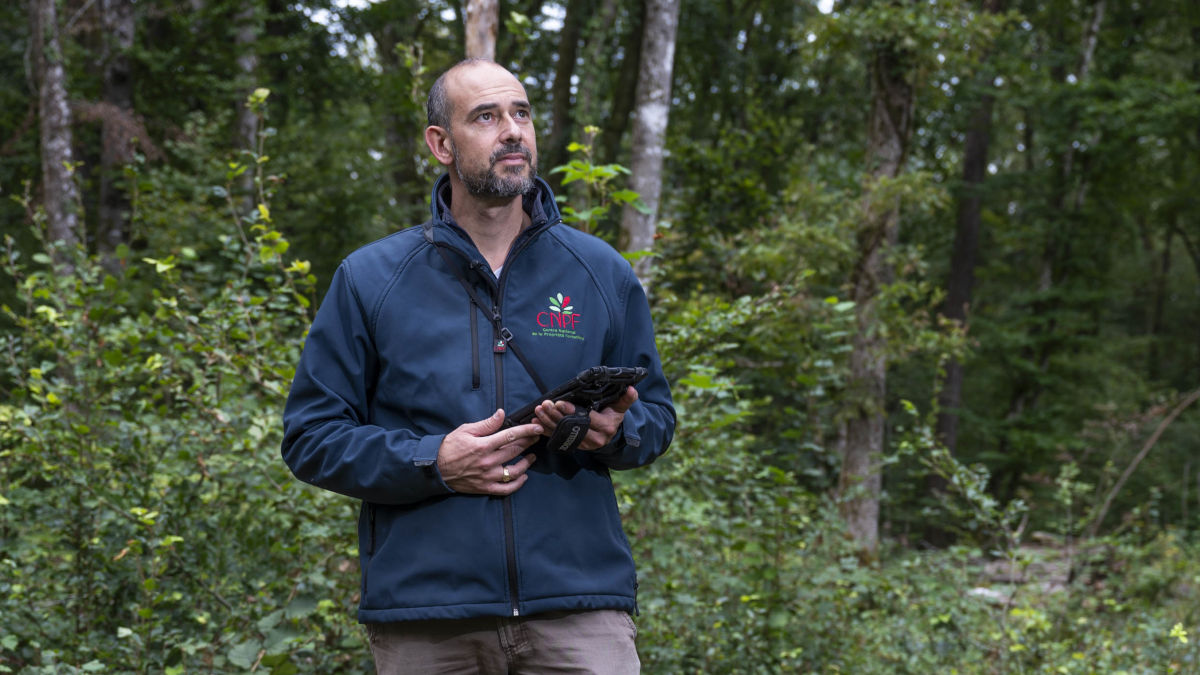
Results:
559 314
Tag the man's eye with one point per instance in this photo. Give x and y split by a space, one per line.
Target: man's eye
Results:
522 114
486 117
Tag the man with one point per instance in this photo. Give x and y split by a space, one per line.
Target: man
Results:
481 549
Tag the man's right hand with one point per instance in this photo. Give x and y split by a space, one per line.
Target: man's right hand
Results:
474 457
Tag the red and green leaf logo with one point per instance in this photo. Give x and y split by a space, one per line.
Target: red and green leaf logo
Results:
561 304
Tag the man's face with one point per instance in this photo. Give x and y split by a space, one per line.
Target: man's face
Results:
491 135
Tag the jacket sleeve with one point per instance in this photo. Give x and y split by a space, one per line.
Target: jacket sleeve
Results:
649 424
329 440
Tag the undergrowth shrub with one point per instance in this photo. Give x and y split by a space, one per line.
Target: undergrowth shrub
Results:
147 523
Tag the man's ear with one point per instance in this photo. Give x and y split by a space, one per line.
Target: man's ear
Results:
438 141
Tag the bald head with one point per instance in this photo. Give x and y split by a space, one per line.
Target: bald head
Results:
440 109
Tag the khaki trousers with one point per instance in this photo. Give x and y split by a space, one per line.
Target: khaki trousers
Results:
599 642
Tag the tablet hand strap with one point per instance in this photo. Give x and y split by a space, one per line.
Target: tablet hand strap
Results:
571 430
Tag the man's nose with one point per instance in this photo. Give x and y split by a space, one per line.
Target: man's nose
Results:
511 130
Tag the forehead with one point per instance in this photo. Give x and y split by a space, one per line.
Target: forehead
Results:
474 85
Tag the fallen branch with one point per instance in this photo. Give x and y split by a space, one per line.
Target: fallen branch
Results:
1150 443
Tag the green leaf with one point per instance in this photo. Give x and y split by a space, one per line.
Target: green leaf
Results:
300 606
244 654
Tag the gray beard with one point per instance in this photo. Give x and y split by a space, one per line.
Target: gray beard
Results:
490 185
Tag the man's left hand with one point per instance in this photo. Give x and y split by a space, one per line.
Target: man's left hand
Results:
602 425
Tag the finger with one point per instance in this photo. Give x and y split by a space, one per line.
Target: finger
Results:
513 435
565 408
509 450
548 415
503 489
508 473
485 427
627 399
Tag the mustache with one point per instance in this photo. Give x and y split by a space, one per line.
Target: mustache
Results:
512 149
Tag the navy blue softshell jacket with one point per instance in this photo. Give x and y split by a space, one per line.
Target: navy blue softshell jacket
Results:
397 357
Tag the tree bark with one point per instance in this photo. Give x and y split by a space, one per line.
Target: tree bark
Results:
399 122
650 129
888 135
594 42
483 18
247 26
962 262
623 95
963 259
118 20
564 71
60 194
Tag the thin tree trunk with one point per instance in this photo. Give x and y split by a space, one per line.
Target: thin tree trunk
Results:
1159 273
483 19
963 258
888 136
61 195
398 124
564 71
962 262
594 38
623 95
118 21
650 129
247 26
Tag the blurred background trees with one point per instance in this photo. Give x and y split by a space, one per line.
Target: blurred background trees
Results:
926 278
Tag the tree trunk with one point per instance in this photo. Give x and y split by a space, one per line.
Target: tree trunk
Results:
888 135
60 194
594 42
118 21
399 122
650 129
247 26
483 18
962 261
623 95
564 71
958 292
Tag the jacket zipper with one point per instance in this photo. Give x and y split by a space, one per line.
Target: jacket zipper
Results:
510 546
499 347
370 546
474 345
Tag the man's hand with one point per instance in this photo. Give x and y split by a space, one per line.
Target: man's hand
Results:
602 426
473 458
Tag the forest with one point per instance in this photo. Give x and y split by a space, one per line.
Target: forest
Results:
925 277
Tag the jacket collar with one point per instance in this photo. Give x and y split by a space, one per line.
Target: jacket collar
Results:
538 203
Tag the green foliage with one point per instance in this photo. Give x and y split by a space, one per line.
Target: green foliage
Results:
147 522
599 195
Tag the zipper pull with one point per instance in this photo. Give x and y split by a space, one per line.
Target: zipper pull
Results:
501 345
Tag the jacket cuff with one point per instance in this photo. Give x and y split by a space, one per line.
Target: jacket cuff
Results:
426 458
620 441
